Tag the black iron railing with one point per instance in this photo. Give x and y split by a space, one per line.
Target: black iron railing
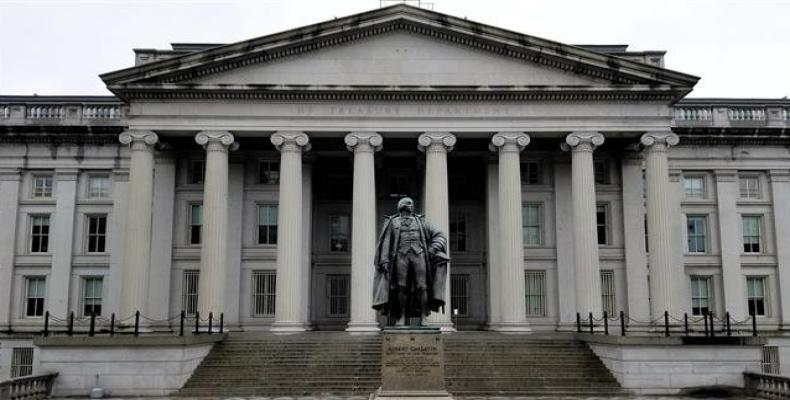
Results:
135 324
708 325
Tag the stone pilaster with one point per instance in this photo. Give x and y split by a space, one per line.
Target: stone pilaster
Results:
363 230
214 240
780 192
659 223
137 249
436 145
730 234
290 297
9 208
511 237
634 238
585 234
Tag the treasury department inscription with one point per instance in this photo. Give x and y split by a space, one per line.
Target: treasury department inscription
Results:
352 110
412 362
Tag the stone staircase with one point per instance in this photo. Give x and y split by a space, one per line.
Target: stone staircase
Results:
491 364
339 364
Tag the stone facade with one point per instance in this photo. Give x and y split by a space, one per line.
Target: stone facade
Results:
249 180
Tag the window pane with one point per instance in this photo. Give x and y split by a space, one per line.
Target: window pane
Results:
531 220
696 232
694 186
35 294
42 186
601 219
267 224
197 171
338 293
189 290
339 230
535 282
98 186
269 172
458 232
608 292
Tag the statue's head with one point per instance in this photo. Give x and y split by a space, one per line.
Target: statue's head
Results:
406 204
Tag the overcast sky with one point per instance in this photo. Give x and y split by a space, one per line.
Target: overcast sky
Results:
740 48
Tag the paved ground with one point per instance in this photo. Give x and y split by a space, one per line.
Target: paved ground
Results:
457 398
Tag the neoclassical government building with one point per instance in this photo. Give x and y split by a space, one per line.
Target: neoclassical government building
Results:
250 180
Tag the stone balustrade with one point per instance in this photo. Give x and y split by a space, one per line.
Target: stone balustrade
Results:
732 113
28 387
746 114
767 386
49 111
693 113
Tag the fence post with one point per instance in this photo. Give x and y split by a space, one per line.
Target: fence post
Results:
729 330
210 320
712 324
705 318
197 322
71 323
622 323
666 323
112 324
754 324
136 322
181 324
221 322
591 323
578 323
605 323
92 329
46 323
686 323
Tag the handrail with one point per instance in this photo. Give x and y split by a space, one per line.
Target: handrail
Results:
767 385
28 387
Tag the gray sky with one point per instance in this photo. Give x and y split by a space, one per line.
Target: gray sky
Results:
740 48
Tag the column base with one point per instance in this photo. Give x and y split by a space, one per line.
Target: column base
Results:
512 327
363 328
286 327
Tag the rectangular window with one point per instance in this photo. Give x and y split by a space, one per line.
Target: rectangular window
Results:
530 173
97 233
696 228
770 364
749 186
752 230
459 294
457 232
700 295
35 293
601 172
269 172
189 290
267 224
337 291
531 216
338 233
197 171
535 289
694 187
21 362
602 218
264 289
195 223
39 233
92 296
42 186
755 295
608 293
98 187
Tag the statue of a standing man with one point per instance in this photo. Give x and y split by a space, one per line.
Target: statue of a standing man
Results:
411 266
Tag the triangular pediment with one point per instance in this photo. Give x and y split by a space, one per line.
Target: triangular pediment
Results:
400 58
400 47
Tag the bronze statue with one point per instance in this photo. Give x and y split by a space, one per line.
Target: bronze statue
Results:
411 266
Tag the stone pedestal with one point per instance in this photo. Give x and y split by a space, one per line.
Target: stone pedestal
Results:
412 365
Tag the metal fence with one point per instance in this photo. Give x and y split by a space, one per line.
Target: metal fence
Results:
135 325
707 325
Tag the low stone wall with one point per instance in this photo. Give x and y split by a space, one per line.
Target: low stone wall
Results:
658 365
125 366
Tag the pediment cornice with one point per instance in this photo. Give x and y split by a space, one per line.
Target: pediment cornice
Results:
570 59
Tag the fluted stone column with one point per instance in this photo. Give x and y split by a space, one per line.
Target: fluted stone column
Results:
585 233
363 230
659 223
214 240
436 145
513 312
290 296
494 267
137 249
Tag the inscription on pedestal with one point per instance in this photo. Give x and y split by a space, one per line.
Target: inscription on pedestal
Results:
413 363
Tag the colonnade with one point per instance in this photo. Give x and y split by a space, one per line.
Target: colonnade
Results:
506 271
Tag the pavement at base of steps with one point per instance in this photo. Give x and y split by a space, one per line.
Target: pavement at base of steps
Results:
634 397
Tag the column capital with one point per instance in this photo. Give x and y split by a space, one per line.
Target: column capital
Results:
436 140
138 139
216 140
509 141
582 141
363 141
663 140
290 141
